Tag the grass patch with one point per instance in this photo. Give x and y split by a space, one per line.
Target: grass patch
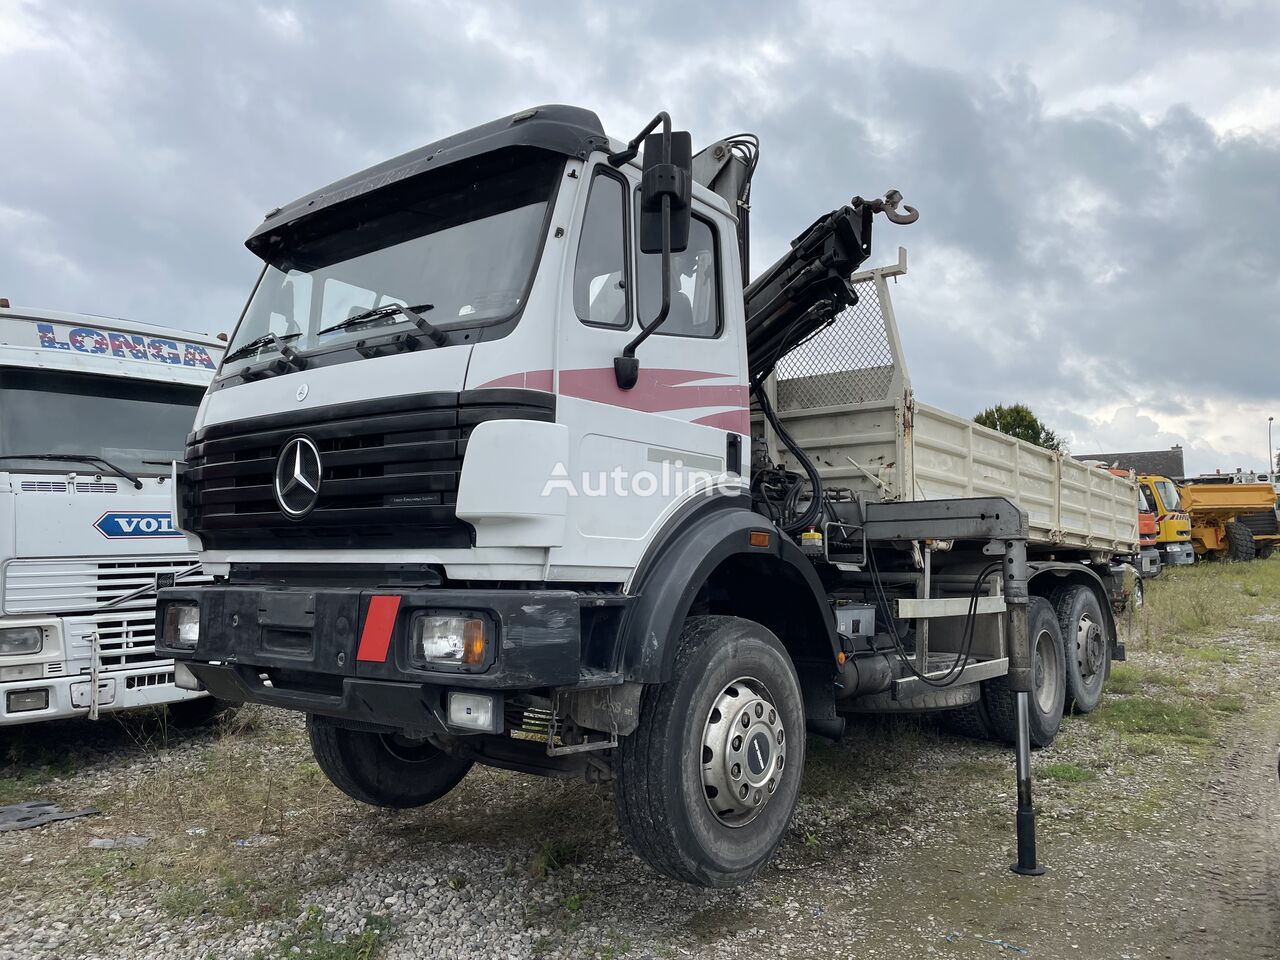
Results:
1138 716
309 941
1191 602
554 854
1209 654
1066 772
1129 678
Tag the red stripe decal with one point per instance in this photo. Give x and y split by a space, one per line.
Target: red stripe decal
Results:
530 380
657 391
737 421
375 639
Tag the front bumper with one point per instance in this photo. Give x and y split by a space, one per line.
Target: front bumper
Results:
1178 554
306 648
69 696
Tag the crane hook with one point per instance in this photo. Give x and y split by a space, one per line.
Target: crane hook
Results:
888 205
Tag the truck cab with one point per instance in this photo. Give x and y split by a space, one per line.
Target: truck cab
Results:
93 411
1173 524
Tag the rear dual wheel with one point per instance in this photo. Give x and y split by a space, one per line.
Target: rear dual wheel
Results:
707 783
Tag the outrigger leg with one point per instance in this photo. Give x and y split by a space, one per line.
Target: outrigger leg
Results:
1021 680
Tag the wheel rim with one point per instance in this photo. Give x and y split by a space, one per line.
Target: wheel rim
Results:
407 749
1090 647
743 752
1048 678
1138 591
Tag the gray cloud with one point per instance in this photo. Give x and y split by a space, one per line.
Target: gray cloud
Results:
1096 237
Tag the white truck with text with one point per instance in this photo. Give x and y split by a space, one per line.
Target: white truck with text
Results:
93 411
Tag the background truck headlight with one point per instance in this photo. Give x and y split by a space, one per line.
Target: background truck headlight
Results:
21 640
182 625
454 640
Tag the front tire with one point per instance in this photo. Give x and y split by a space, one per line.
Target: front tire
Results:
708 781
383 770
1047 700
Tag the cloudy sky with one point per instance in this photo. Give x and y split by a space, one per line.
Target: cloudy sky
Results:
1099 182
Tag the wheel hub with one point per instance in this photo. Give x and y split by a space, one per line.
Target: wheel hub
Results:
1090 648
1046 672
743 752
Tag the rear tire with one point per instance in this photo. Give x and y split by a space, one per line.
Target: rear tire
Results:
383 770
1265 550
1086 646
1240 545
968 721
679 775
1050 694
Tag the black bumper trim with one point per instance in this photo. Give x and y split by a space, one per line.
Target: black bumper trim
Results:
410 707
308 637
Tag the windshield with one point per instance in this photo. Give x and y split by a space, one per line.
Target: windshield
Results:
126 422
1168 495
460 247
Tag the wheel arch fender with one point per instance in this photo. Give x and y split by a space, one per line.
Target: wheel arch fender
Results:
1047 575
704 562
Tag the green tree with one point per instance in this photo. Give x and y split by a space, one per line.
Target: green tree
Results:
1017 420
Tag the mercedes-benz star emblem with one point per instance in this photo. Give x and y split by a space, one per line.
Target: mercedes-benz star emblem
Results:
297 480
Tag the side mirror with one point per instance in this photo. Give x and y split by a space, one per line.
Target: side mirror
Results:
666 186
667 175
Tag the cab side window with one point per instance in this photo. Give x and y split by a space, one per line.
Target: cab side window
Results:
695 286
600 276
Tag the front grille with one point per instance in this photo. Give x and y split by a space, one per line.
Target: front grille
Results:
127 640
71 587
390 470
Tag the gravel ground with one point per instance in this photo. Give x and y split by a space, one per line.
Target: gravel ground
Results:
1161 839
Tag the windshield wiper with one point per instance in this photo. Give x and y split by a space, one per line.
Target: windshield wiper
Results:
78 457
267 339
434 333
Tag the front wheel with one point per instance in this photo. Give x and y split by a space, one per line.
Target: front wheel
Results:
383 769
708 781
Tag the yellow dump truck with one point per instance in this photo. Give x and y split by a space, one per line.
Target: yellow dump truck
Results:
1215 509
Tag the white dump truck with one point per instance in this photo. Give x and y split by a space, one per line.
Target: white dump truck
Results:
477 482
93 411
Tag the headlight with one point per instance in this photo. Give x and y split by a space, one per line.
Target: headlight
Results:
450 641
21 640
181 626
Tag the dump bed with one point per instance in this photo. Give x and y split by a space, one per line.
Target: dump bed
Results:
845 397
1219 502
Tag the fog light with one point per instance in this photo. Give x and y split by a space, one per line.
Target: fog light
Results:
457 641
24 701
20 640
184 679
181 626
475 711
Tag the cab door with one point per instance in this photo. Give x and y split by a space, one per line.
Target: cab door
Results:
636 453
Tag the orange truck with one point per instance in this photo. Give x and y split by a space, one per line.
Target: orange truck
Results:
1149 561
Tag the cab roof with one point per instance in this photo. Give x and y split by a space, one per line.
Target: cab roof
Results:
570 131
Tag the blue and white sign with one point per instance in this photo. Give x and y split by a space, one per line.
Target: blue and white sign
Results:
136 526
